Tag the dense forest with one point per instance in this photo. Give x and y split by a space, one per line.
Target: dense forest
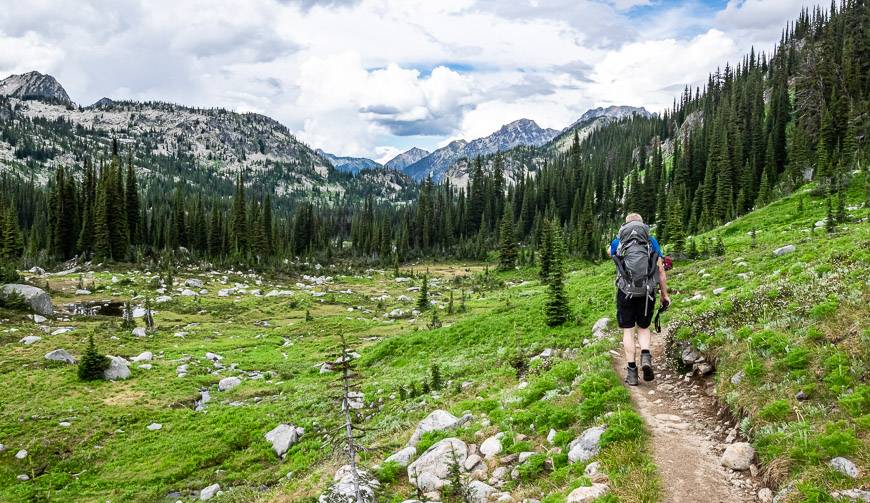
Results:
757 130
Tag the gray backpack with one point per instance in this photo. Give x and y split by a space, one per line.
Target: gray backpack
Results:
635 261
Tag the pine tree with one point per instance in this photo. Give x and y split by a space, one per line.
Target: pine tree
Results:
132 203
435 372
546 253
239 233
92 364
508 249
423 299
830 221
556 307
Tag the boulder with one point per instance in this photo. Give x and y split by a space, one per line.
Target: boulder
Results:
118 369
436 421
551 436
37 318
402 457
587 494
784 250
161 299
30 339
431 471
491 447
228 383
283 436
21 454
143 357
139 332
154 426
209 492
344 488
845 466
62 330
479 492
471 461
213 357
718 291
36 298
39 271
60 355
737 456
587 445
193 283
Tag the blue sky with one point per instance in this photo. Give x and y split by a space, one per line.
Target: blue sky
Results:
375 77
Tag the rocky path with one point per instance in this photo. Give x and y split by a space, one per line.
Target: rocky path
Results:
688 437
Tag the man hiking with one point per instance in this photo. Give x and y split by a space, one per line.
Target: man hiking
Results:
639 269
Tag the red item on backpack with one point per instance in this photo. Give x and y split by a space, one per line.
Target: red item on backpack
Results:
668 263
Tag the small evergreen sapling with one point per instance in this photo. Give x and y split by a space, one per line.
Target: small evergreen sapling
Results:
93 363
423 299
127 321
437 382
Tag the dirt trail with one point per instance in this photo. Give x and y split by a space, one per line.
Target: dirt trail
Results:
682 418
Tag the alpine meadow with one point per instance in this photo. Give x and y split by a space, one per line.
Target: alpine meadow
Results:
401 251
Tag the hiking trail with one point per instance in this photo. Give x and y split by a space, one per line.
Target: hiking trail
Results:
687 436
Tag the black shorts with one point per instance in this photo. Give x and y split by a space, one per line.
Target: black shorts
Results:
634 311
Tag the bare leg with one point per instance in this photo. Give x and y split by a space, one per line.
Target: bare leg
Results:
628 343
643 336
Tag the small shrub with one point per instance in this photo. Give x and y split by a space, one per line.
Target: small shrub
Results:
14 301
622 425
838 440
533 467
93 363
825 309
795 359
597 405
775 411
8 273
856 403
389 472
431 438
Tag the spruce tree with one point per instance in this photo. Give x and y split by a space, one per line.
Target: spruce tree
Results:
508 248
556 307
546 252
92 364
132 203
423 298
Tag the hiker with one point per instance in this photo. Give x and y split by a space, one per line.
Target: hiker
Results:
639 269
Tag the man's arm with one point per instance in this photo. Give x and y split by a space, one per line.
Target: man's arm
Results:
663 281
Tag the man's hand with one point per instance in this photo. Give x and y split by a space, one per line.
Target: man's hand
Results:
666 301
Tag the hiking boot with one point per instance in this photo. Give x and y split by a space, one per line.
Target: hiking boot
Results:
646 366
631 376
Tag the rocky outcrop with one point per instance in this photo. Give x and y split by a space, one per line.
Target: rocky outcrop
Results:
36 298
118 369
283 436
436 421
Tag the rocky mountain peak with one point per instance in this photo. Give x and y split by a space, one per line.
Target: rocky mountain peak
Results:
34 86
406 158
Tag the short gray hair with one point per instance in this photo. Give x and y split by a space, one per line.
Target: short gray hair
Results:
633 217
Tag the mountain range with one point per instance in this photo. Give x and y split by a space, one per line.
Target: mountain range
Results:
41 128
222 142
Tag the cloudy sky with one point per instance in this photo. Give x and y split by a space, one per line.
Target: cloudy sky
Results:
374 77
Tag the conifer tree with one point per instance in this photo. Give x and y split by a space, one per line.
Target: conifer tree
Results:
556 307
546 252
423 299
92 364
508 249
132 203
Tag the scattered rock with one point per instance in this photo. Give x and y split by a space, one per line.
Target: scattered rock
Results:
587 445
784 250
154 426
551 436
845 466
737 377
765 495
852 495
30 339
36 298
430 472
209 492
228 383
800 396
193 283
491 447
718 291
21 454
39 271
690 356
37 318
189 293
283 436
139 332
23 477
62 330
60 355
403 457
436 421
599 329
213 357
737 456
587 494
471 461
479 492
118 369
161 299
143 357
